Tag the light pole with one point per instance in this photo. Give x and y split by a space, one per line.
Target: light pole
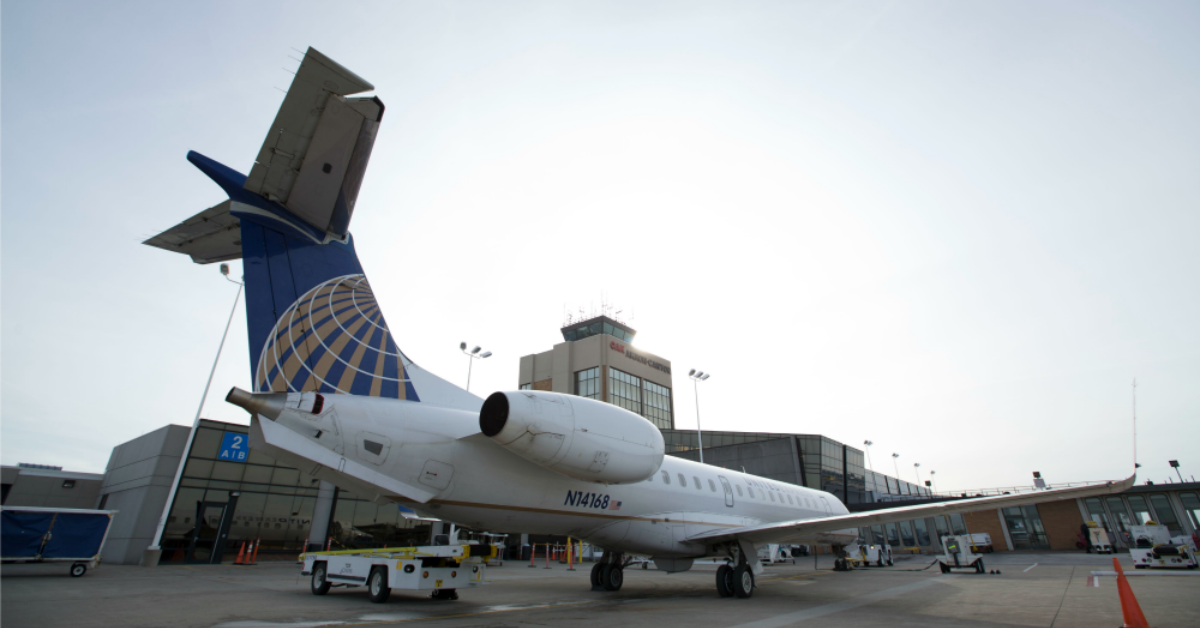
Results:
1175 465
697 377
867 445
155 550
474 355
896 465
933 481
917 471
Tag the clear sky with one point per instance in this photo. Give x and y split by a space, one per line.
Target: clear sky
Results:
959 230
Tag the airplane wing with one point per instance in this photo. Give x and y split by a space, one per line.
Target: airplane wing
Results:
792 531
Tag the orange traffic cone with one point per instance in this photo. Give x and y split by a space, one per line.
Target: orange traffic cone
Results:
241 555
1131 611
253 556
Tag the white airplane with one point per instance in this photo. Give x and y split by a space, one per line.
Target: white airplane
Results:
334 396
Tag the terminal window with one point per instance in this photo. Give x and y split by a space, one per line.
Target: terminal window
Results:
658 405
587 383
625 390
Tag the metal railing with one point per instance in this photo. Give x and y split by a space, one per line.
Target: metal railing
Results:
1008 490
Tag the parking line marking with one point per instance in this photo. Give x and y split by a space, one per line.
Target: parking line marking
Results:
1031 567
828 609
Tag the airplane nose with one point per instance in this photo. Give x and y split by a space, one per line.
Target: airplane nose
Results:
270 405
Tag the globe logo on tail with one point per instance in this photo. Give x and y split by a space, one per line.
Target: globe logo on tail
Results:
334 339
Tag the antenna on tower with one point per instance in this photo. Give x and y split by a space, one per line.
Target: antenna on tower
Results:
1135 462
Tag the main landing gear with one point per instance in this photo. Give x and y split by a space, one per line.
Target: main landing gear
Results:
735 581
609 573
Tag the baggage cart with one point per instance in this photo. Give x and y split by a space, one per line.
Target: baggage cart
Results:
42 535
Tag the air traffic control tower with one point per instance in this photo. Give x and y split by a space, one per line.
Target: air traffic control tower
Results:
597 359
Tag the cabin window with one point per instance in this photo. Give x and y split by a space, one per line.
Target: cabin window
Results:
682 481
772 497
373 447
739 488
666 478
696 481
712 487
790 500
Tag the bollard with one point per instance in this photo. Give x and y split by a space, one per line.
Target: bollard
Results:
570 556
532 554
547 556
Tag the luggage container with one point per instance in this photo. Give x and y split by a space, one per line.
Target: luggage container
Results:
65 535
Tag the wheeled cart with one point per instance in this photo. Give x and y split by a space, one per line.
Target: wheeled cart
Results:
65 535
1154 548
958 554
877 555
439 569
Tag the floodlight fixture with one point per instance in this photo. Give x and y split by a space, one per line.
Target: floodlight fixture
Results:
473 354
691 372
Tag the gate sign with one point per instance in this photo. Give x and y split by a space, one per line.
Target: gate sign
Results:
234 447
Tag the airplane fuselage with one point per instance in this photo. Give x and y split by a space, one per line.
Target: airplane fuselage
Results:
443 467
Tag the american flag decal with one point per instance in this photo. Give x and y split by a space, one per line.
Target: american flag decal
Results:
615 505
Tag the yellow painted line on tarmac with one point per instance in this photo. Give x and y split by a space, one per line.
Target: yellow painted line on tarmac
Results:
481 613
803 575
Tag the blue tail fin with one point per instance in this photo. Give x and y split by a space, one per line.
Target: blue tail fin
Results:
312 319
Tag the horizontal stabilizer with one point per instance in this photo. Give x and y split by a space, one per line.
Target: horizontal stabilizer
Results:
213 235
316 151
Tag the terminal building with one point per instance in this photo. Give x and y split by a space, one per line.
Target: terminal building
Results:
596 359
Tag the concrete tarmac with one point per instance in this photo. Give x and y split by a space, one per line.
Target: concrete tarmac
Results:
1055 593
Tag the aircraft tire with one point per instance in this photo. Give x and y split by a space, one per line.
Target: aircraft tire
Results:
597 570
613 577
320 586
377 585
743 581
725 581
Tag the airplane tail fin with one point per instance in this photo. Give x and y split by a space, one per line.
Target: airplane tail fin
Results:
313 321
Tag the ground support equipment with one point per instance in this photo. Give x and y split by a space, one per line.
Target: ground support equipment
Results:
65 535
439 569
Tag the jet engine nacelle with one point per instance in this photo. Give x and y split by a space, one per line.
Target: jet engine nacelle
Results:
576 436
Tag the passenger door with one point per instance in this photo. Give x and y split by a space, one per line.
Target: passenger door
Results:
728 491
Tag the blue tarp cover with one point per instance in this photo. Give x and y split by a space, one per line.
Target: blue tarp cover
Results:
76 535
73 535
21 532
